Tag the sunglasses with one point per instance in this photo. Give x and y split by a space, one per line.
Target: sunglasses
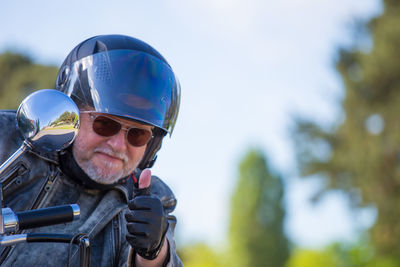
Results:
105 126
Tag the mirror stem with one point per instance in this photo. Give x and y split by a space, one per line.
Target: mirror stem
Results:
25 147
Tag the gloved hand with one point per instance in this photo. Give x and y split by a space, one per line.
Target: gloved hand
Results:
146 220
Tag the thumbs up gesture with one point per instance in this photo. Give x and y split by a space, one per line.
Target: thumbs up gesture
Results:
146 220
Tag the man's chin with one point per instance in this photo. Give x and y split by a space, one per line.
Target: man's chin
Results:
103 176
104 180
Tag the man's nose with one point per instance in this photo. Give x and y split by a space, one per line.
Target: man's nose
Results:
118 141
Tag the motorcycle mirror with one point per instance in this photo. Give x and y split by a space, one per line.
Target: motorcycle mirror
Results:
48 120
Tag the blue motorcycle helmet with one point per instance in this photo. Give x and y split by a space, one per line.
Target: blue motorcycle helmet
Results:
123 76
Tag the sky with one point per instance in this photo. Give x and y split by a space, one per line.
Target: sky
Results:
247 68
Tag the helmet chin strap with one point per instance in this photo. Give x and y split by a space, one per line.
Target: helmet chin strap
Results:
150 155
150 163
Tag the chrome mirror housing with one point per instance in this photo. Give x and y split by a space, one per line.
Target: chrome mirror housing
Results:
48 120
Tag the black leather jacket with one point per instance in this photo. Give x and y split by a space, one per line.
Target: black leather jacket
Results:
36 181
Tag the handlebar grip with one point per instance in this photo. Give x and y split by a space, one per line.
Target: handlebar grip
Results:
47 216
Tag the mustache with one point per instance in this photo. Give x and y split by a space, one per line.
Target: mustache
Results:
111 152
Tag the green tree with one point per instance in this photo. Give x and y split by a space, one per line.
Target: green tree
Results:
19 76
201 255
256 220
335 255
66 117
313 258
339 255
360 155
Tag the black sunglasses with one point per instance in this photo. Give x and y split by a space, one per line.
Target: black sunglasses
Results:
106 126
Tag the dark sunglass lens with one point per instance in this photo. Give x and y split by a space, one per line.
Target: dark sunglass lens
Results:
105 126
138 137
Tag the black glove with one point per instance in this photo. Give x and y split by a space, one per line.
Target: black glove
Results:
147 224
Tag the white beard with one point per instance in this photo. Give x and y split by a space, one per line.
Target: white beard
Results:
105 175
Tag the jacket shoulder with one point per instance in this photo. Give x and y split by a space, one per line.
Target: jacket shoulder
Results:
163 191
10 137
8 120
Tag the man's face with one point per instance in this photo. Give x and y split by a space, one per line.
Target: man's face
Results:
106 159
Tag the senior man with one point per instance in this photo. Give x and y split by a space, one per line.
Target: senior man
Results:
128 97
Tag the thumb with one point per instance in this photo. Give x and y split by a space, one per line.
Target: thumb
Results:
145 179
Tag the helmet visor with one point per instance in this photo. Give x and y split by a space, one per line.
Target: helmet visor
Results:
126 83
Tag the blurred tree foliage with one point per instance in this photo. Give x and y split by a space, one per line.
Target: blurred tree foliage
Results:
19 76
256 220
360 155
313 258
201 255
332 256
339 255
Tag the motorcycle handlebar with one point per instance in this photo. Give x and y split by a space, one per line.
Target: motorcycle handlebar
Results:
47 216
